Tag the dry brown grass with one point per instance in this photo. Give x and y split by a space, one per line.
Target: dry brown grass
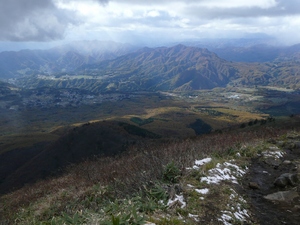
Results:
130 172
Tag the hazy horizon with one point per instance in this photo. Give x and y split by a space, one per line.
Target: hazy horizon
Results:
205 42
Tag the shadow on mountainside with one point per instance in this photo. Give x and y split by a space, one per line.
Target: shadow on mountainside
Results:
28 165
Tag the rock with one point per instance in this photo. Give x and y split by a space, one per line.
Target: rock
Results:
253 185
273 162
281 182
286 179
287 162
285 196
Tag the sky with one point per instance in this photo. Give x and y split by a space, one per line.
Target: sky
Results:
42 23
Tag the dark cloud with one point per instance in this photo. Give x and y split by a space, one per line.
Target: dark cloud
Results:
32 20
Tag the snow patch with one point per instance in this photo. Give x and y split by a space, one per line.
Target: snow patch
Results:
203 191
237 212
195 217
202 161
225 171
199 163
178 199
275 154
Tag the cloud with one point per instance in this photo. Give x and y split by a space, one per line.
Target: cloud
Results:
47 20
267 8
33 20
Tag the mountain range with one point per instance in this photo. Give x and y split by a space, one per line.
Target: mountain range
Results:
259 53
65 58
102 67
176 68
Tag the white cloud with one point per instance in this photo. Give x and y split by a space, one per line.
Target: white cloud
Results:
153 13
264 4
45 20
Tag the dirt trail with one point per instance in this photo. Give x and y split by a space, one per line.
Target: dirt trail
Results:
262 174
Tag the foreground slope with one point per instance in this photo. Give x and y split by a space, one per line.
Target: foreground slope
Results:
220 178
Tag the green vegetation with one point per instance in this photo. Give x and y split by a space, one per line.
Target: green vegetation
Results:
135 187
100 146
171 173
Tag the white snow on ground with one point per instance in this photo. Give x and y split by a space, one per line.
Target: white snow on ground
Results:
203 191
237 212
195 217
179 199
202 161
273 154
199 163
224 218
225 171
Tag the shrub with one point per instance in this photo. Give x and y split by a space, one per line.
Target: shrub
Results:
243 125
171 173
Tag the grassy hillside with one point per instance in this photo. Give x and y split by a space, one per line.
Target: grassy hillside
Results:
137 185
41 160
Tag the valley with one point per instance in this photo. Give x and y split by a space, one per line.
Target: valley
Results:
166 105
149 112
45 109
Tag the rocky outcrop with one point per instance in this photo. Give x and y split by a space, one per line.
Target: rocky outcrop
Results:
272 183
286 179
285 196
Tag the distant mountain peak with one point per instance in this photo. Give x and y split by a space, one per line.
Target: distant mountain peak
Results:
58 59
166 68
179 46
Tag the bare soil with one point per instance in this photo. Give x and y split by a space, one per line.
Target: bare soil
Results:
264 172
